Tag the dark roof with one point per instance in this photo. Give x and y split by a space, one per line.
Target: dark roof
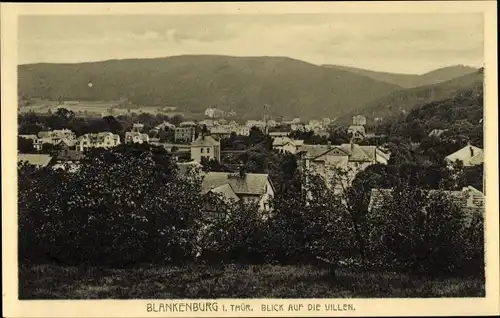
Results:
227 191
251 183
70 155
354 151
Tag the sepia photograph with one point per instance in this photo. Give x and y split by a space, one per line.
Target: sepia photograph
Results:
336 155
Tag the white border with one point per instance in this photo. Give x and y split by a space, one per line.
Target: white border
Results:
137 308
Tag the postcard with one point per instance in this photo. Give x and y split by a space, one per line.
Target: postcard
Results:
250 159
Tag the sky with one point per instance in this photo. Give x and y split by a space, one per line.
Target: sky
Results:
398 43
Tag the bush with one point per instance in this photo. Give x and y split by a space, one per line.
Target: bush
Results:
122 206
423 233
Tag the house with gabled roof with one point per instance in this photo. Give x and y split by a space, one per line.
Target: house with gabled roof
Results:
136 137
64 138
207 122
357 132
469 156
205 146
97 140
352 158
240 186
221 132
287 145
469 199
68 159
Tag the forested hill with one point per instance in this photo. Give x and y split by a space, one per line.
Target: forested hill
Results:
193 83
401 102
460 116
412 80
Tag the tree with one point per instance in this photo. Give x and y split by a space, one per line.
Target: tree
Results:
212 165
65 113
95 215
25 145
113 125
416 230
308 225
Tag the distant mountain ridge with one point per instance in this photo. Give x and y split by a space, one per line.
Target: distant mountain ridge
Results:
193 83
403 101
291 87
412 80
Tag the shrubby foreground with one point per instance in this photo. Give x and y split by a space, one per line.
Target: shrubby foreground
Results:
129 206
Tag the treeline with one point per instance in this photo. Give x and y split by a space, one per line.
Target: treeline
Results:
460 117
33 123
98 216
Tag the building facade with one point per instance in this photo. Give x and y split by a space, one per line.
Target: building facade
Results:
328 160
97 140
205 147
185 133
135 137
64 137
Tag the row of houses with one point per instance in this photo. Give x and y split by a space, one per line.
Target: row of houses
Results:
254 187
67 139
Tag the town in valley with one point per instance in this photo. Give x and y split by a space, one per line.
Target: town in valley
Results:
198 176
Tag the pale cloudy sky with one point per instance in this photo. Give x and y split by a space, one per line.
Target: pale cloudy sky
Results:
403 43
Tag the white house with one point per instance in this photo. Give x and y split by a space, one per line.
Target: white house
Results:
241 130
221 131
165 125
271 123
97 140
214 112
55 137
287 145
135 137
359 120
295 127
468 155
313 123
352 158
207 122
256 123
210 112
357 131
205 147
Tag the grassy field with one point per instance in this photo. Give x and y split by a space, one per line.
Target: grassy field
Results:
266 281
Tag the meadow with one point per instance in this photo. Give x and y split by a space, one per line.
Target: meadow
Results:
50 281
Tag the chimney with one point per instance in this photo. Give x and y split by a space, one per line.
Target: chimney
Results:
352 143
329 144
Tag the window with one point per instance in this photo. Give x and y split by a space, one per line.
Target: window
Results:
201 150
208 150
